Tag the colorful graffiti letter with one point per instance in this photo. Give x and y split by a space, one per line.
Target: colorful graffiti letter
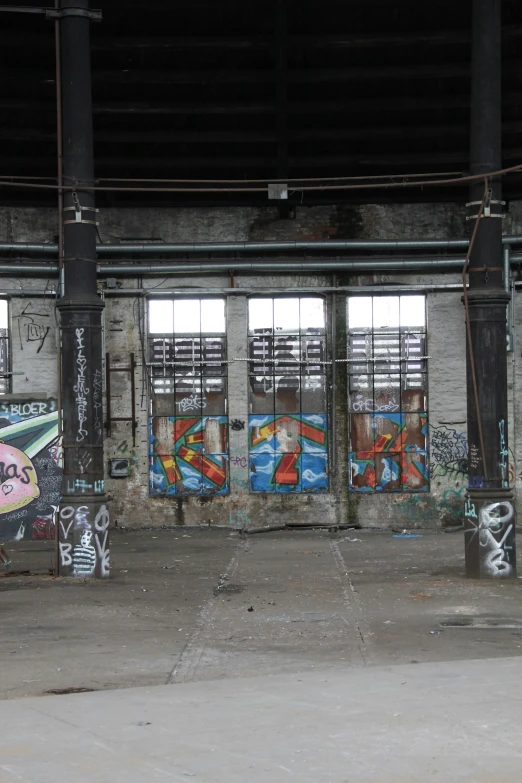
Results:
188 455
288 453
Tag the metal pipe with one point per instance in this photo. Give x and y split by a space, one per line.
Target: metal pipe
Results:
353 289
507 267
372 263
146 248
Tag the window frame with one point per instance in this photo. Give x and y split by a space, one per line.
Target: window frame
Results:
288 437
189 450
388 441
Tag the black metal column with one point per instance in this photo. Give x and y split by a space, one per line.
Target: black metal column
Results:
489 510
83 517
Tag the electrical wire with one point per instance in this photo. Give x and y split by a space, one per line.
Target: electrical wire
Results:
468 326
297 189
244 181
280 181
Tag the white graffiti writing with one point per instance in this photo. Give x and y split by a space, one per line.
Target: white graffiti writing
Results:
97 402
84 555
191 403
87 554
101 526
80 388
495 529
65 554
370 406
504 453
28 408
495 519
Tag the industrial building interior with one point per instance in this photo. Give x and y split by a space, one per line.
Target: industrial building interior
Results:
261 383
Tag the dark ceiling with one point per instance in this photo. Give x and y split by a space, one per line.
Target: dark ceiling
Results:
244 89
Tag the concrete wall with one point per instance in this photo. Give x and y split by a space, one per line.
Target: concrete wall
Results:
34 340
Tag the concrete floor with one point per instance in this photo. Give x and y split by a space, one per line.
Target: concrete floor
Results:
177 609
343 657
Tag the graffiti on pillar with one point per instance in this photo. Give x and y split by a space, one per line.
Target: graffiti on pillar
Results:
504 454
80 388
288 453
84 541
495 526
31 468
97 403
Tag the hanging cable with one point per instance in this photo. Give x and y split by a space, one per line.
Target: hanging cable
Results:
468 325
297 189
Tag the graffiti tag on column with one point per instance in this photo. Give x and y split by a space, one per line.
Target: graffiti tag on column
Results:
495 519
237 425
504 453
80 388
84 545
101 526
97 402
469 510
191 403
240 462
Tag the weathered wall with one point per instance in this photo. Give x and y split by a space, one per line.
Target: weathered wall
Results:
34 333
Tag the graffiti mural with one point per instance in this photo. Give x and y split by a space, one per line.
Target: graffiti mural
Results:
288 453
189 455
391 452
31 468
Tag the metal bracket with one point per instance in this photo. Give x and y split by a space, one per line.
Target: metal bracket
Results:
78 212
486 213
94 15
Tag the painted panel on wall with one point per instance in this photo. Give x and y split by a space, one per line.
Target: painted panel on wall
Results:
188 455
31 469
288 453
392 453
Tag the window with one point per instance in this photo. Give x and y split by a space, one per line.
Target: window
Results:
5 377
388 394
287 421
188 428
